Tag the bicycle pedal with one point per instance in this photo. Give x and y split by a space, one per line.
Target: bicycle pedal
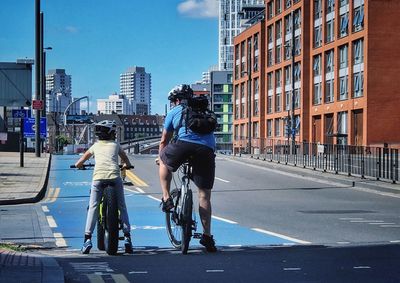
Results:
197 235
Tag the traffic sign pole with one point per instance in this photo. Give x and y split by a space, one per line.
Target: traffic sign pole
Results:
21 144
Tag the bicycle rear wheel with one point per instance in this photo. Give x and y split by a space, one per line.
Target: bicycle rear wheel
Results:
110 206
187 221
174 230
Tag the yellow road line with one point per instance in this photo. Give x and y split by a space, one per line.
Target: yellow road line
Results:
135 179
60 241
50 192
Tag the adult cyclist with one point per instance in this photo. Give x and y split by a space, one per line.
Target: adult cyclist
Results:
105 151
175 150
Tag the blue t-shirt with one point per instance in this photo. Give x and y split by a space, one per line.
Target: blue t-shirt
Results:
172 122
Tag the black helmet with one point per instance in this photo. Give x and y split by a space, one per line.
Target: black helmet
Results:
180 92
105 129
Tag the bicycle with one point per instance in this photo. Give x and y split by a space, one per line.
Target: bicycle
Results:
181 220
109 222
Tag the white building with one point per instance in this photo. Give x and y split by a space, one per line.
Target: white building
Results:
135 85
115 104
206 75
59 92
230 16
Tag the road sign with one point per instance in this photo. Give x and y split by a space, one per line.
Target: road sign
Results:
37 104
21 113
29 127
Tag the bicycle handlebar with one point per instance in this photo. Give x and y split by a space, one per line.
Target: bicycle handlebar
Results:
84 166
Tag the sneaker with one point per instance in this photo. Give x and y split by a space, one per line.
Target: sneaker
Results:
128 245
209 243
87 245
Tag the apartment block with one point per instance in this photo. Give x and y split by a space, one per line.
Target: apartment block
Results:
332 65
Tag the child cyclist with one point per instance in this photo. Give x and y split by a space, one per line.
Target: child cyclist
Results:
105 151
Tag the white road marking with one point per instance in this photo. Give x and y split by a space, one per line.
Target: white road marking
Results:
154 198
382 223
214 270
224 219
395 241
390 226
148 227
343 243
51 221
222 180
351 218
119 278
76 200
45 208
280 236
366 221
361 267
60 241
292 268
235 246
137 272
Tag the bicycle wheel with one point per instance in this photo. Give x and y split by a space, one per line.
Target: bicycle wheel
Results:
174 230
187 221
110 205
100 234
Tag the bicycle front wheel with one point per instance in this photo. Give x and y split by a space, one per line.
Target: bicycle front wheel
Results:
174 230
111 221
187 221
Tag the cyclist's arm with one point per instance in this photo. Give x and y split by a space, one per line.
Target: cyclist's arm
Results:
85 156
165 138
124 158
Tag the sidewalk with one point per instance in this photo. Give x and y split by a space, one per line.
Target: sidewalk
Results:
25 225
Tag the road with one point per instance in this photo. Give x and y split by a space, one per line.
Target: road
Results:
269 225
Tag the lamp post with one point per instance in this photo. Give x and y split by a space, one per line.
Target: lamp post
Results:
38 52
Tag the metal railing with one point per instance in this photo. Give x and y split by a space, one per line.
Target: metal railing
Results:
364 161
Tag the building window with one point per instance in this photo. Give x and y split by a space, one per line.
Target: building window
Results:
288 3
270 58
278 54
343 3
278 6
255 130
317 9
343 57
330 30
330 6
297 19
288 50
342 127
278 30
288 24
269 104
317 65
269 81
297 98
344 24
278 78
270 34
329 90
270 10
358 17
269 128
358 48
287 100
297 45
297 72
329 61
288 75
358 84
277 127
318 36
278 102
317 94
343 88
256 108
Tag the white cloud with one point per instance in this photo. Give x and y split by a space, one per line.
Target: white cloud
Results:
71 29
199 8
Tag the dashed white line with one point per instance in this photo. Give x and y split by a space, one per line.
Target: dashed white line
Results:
343 243
137 272
361 267
224 220
214 270
60 241
45 208
154 198
390 226
395 241
281 236
222 180
292 268
382 223
51 221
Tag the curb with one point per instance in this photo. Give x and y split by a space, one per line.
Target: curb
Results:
39 196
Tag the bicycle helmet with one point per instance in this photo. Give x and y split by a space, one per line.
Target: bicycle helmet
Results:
180 92
105 129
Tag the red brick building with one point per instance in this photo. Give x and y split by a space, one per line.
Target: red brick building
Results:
344 73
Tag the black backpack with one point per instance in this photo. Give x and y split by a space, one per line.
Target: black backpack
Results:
197 117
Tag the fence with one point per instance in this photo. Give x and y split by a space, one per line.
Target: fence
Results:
363 161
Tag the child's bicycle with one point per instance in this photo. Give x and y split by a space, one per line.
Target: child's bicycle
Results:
181 220
109 222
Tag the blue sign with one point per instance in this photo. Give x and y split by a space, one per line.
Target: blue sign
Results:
29 127
21 113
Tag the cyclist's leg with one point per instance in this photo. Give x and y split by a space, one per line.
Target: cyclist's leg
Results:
205 210
96 193
126 226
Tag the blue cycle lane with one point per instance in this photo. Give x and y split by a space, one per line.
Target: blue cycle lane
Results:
65 206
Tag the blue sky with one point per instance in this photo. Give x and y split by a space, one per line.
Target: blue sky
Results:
97 40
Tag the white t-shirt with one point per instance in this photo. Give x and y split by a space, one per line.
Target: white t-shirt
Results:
106 156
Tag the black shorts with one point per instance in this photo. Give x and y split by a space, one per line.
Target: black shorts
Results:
202 160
